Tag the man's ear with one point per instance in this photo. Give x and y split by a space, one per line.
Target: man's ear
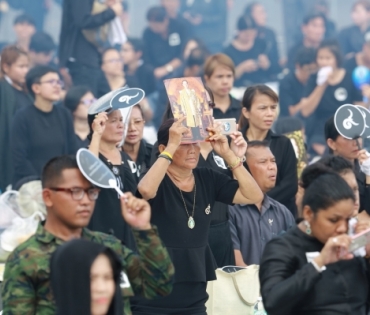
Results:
36 88
46 196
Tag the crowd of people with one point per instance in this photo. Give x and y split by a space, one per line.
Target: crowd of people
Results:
254 197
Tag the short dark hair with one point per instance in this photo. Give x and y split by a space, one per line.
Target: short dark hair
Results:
164 131
246 23
313 16
52 171
35 74
136 43
258 144
156 14
42 43
338 164
331 131
325 191
197 57
334 48
24 19
74 95
305 56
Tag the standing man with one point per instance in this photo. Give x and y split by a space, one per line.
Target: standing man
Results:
79 58
70 199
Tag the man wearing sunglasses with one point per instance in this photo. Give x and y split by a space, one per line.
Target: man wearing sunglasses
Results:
42 131
70 199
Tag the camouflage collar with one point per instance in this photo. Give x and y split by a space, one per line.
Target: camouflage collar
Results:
46 237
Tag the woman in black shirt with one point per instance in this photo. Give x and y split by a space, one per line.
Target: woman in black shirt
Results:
107 131
325 91
182 198
258 114
138 150
308 270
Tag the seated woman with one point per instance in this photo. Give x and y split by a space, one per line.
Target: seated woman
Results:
182 198
135 146
258 114
85 278
309 270
325 92
78 100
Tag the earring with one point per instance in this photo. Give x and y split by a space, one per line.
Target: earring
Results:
308 227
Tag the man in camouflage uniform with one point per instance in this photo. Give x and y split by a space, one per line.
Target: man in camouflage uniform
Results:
70 200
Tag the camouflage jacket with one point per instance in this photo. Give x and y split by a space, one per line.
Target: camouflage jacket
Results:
26 288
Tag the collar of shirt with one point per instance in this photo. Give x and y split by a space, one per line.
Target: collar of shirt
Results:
270 135
266 205
42 235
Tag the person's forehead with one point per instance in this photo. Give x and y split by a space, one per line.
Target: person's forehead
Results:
259 152
50 75
72 177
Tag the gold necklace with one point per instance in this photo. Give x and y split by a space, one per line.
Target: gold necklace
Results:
191 221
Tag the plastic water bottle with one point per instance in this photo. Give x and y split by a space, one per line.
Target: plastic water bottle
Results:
258 308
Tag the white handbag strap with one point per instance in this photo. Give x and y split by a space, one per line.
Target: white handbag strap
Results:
240 294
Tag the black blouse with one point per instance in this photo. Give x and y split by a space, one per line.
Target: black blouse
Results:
290 285
189 248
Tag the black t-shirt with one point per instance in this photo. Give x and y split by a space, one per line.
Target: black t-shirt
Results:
107 217
351 39
233 111
39 136
22 99
291 91
334 96
158 50
143 160
239 56
189 247
143 78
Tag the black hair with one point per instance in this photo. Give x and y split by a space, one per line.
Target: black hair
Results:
331 131
312 172
136 43
200 44
42 43
24 19
167 113
249 9
74 95
334 48
52 171
325 191
305 56
287 124
246 23
338 164
35 74
258 144
197 57
156 14
313 16
249 95
164 131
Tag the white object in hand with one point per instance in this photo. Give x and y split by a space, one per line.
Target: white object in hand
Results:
323 75
113 184
365 166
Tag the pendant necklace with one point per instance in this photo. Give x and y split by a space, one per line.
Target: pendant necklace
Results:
191 222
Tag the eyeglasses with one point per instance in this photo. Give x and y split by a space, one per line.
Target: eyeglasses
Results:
136 123
88 102
53 82
79 193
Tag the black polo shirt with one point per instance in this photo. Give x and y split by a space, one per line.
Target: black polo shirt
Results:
351 39
233 111
158 50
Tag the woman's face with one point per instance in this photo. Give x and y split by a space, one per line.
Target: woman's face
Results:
330 222
128 53
221 81
112 64
190 45
102 285
359 15
114 130
350 179
262 113
259 15
187 156
247 36
325 58
135 127
345 147
86 101
18 70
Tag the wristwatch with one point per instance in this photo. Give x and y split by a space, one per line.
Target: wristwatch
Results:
169 68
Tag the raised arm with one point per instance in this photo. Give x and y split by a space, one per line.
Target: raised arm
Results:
148 186
98 127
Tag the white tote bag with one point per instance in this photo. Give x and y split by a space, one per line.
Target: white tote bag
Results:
235 292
